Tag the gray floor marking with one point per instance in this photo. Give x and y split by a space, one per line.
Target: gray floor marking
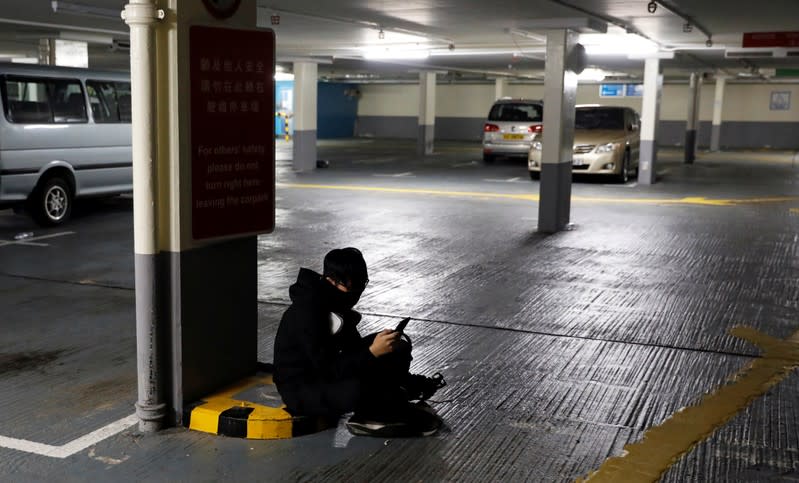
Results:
72 447
407 174
28 241
508 180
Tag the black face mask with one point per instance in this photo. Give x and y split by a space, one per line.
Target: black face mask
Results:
337 300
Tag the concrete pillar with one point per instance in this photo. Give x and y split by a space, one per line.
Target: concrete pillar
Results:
560 94
650 116
427 113
141 16
500 87
718 107
305 88
692 119
47 51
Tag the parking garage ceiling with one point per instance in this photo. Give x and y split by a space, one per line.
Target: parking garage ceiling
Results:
466 39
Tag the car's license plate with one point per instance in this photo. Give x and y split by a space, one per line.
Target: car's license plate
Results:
577 162
510 137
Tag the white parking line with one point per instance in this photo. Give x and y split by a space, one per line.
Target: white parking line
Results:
463 165
398 175
72 447
509 180
31 241
631 184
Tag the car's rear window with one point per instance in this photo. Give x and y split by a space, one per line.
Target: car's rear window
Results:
599 119
515 112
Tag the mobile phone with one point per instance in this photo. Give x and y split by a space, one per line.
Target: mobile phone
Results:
402 324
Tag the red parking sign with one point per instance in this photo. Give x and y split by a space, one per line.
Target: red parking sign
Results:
232 131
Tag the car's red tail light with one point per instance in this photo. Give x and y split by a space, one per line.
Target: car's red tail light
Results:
490 128
537 129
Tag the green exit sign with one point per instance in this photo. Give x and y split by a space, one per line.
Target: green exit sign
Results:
787 73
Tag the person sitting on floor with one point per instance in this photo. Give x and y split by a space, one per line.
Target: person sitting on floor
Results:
323 367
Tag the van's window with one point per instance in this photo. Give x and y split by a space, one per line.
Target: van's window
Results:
103 99
123 98
515 112
110 101
67 100
37 101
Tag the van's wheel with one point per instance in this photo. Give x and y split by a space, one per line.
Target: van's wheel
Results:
535 175
624 176
488 158
51 203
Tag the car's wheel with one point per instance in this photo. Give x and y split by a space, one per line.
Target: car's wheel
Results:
488 158
51 203
624 175
535 175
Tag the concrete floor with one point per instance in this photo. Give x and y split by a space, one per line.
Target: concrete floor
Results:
559 350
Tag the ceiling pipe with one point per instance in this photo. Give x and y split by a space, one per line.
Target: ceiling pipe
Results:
379 26
58 26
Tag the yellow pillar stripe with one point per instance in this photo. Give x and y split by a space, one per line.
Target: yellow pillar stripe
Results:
534 197
263 422
663 445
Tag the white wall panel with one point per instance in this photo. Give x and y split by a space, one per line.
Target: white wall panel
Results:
464 100
526 91
750 102
389 100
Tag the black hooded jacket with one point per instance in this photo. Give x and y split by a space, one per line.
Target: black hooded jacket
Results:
307 353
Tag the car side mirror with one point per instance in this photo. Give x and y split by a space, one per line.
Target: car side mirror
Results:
632 127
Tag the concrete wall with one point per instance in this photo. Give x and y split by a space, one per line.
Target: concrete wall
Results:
390 110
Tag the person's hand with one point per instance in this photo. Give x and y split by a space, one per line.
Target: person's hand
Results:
384 342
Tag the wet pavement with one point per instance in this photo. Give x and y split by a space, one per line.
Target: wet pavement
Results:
558 350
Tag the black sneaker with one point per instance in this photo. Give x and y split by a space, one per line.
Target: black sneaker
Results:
421 387
414 421
362 426
423 419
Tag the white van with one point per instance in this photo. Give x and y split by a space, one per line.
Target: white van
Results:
64 133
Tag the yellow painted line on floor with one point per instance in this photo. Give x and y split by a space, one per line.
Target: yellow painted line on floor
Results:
662 445
534 197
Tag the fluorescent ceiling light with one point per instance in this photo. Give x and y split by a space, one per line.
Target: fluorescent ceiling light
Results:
284 76
615 44
591 74
86 37
25 60
456 51
85 10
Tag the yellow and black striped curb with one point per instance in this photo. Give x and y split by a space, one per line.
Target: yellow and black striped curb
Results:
221 414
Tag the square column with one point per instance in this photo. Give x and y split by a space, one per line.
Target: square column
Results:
692 119
718 106
427 113
305 80
500 87
203 189
560 95
650 115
